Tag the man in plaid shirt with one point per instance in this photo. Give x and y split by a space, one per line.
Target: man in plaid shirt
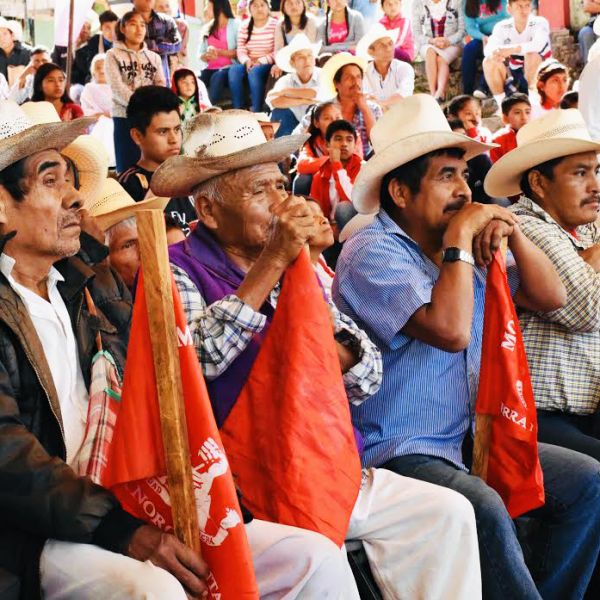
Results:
556 168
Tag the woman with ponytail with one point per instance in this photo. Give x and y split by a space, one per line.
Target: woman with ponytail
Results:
341 29
480 18
255 53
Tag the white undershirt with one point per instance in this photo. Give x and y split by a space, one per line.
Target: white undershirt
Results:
55 332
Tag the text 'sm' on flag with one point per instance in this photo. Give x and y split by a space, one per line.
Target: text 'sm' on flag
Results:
289 436
505 393
136 470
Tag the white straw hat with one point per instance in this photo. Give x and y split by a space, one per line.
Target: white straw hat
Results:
558 133
216 143
115 204
13 26
412 127
376 32
333 65
87 154
21 136
300 42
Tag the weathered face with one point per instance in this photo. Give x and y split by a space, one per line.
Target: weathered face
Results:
444 191
555 87
571 197
382 50
350 82
244 219
344 141
323 237
124 252
47 219
54 85
162 138
304 63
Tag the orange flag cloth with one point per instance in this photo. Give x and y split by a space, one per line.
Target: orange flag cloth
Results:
289 436
505 393
136 469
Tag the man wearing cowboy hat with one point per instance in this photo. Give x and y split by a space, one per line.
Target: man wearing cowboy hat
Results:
13 53
60 532
555 167
228 274
387 79
294 93
412 279
342 77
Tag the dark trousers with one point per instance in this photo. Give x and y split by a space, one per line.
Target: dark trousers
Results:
126 151
472 52
215 81
577 432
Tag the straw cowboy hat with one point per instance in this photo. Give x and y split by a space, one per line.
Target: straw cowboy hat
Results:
217 143
376 32
21 137
300 42
411 128
14 27
556 134
333 65
87 154
115 204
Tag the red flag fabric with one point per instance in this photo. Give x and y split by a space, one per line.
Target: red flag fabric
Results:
289 436
136 469
505 393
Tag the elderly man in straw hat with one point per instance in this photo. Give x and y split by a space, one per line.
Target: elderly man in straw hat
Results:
228 271
60 532
555 168
294 93
425 312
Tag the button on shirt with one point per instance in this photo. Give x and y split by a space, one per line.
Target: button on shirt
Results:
54 329
400 79
427 396
291 80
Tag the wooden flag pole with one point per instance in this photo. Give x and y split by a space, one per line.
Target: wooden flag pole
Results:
163 336
483 426
70 44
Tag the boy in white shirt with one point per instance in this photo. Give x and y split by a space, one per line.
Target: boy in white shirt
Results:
515 50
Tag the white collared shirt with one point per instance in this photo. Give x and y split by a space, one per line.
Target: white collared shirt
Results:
55 332
291 80
400 79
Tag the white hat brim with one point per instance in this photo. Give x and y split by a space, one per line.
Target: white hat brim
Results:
362 48
179 175
283 58
367 187
504 178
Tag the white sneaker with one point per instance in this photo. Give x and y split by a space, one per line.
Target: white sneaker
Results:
480 94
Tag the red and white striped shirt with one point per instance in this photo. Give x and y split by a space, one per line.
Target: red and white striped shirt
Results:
261 46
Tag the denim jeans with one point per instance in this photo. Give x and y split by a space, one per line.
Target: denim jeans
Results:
586 38
577 432
257 81
286 119
472 52
127 152
556 550
215 80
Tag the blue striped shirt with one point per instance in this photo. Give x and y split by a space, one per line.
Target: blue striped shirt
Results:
427 397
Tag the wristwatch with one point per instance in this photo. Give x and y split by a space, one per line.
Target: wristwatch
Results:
453 254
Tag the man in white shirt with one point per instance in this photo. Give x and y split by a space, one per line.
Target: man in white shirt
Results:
294 93
22 89
387 79
515 50
589 88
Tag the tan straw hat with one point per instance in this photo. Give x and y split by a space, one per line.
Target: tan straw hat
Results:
333 65
21 137
376 32
115 204
216 143
300 42
558 133
87 154
411 128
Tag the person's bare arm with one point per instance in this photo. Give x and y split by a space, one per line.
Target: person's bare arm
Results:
288 97
591 256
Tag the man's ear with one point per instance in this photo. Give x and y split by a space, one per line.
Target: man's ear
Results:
537 184
205 208
136 136
4 199
399 193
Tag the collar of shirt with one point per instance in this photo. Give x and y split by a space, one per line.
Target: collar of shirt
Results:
312 82
7 264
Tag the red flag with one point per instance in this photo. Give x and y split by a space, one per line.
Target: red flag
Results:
505 393
289 436
136 467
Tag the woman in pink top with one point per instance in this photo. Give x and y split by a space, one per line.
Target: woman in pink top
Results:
393 19
218 47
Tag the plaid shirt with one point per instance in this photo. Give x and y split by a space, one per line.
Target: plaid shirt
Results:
222 331
563 346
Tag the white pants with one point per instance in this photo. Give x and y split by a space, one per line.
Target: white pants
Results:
288 562
420 538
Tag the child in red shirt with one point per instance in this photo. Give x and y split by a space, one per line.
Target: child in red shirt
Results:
393 19
332 184
467 109
516 112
